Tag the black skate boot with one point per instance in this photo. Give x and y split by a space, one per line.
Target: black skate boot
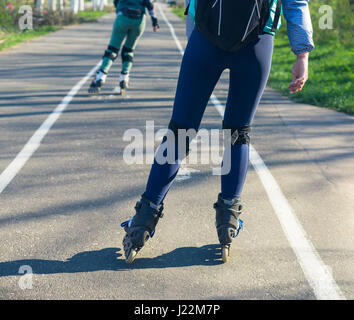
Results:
140 228
228 224
97 82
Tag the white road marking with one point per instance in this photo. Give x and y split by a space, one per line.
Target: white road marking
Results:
184 173
315 271
34 142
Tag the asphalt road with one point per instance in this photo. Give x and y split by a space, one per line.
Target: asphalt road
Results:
60 213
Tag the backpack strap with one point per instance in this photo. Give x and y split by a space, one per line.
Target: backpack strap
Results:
187 9
276 16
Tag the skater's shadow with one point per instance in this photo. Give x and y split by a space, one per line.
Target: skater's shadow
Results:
111 259
87 261
208 255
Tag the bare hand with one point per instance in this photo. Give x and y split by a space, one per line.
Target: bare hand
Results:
156 28
299 73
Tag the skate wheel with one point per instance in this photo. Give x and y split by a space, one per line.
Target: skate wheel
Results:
129 251
94 90
131 256
225 253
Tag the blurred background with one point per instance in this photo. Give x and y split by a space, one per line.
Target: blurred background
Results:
331 74
47 16
331 63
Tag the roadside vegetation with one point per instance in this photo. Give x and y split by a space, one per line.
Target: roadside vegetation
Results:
44 20
331 64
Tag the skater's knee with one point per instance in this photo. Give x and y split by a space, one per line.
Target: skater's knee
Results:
111 53
239 135
183 135
127 54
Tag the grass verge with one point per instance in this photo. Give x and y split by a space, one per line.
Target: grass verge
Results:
179 12
90 16
13 36
331 76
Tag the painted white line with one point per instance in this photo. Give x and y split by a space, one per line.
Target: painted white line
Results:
316 272
185 173
172 30
217 105
34 142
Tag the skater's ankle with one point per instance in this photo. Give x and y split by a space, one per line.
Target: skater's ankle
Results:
124 76
228 200
152 204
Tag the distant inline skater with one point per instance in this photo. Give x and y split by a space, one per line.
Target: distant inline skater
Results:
234 35
129 25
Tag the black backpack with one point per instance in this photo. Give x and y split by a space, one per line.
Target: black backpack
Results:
232 24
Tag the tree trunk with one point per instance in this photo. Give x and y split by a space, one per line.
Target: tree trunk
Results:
52 5
81 5
74 6
102 4
61 5
39 6
94 5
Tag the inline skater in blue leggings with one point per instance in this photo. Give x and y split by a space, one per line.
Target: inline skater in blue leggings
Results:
208 53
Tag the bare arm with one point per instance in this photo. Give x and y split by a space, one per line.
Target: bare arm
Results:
297 15
299 72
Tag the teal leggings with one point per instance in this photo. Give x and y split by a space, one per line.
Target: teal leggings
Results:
130 30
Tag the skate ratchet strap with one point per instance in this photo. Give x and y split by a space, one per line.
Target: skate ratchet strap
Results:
146 220
156 209
143 219
129 222
226 216
239 135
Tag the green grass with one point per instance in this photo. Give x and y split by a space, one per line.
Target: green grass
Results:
13 36
90 16
331 76
179 12
331 65
10 39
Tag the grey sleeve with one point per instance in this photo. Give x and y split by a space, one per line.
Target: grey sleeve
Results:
299 25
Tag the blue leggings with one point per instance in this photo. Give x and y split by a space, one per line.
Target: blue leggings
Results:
201 68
